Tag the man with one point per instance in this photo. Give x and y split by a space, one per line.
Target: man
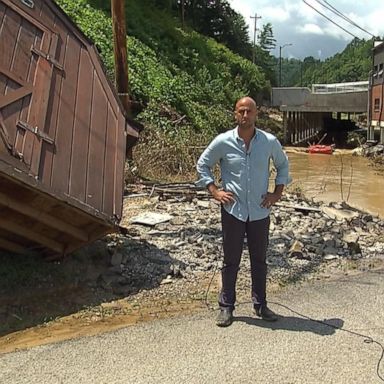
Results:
244 155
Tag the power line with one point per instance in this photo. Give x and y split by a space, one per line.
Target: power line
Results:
333 22
331 8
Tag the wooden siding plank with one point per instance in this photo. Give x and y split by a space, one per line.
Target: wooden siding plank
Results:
24 111
58 78
12 247
120 162
27 13
63 141
15 91
45 218
14 173
13 76
8 39
39 105
110 163
38 101
80 141
47 16
14 96
95 174
2 13
23 53
107 86
22 231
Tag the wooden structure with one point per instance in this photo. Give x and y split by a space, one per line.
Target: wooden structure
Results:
62 133
376 93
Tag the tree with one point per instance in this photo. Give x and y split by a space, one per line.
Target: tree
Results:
216 19
267 42
263 56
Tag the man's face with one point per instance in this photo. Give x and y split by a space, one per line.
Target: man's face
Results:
245 113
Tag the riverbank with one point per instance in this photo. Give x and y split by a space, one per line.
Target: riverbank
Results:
163 269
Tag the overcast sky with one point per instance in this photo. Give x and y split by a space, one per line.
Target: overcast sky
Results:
311 34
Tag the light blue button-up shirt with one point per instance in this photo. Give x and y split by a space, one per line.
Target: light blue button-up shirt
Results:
244 173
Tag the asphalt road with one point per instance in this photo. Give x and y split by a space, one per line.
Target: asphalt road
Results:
193 350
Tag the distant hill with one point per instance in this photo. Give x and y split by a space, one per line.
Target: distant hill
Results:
352 64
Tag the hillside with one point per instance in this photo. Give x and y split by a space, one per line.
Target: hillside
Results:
183 84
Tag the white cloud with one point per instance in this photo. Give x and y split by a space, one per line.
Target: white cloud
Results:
310 28
275 14
309 32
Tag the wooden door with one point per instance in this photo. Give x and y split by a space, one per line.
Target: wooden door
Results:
27 59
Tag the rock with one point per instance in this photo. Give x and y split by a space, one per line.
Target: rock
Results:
116 258
167 280
150 218
351 237
330 251
203 204
296 250
329 240
367 218
178 220
339 214
331 257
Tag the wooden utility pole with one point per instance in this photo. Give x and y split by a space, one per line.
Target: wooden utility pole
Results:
254 37
183 14
120 50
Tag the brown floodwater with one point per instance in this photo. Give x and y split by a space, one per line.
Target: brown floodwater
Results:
339 177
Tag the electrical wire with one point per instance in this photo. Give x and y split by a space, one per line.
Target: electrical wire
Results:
333 22
331 8
367 339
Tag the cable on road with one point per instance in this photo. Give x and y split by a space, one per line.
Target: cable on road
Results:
367 339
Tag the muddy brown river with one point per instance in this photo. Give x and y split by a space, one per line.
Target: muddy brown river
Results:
339 177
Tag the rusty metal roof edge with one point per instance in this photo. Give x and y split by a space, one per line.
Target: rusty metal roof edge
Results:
55 7
10 171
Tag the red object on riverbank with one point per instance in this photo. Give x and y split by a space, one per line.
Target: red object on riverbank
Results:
324 149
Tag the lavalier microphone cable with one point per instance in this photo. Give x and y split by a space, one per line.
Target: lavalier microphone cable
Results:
367 339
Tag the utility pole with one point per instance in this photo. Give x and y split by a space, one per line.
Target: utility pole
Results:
280 66
120 51
183 15
254 36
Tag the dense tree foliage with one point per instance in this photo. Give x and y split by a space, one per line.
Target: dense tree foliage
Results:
353 64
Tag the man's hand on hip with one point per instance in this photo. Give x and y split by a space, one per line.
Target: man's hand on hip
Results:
270 199
223 197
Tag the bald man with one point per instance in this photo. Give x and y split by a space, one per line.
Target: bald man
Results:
244 154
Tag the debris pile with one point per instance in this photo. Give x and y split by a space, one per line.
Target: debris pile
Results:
168 235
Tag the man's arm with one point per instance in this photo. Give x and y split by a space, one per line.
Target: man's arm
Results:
206 162
280 161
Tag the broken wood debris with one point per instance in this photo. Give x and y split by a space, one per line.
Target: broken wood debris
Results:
165 191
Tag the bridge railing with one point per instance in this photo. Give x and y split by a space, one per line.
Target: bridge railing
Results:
355 86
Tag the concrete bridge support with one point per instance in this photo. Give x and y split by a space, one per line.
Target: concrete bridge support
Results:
301 126
371 133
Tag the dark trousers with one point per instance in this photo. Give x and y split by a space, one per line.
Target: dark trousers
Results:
234 232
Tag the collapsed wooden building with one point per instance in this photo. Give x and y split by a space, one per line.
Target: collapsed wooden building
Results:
63 133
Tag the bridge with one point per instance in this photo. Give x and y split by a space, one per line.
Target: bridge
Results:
306 112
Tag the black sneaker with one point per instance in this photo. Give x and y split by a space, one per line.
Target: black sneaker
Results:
224 318
265 313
